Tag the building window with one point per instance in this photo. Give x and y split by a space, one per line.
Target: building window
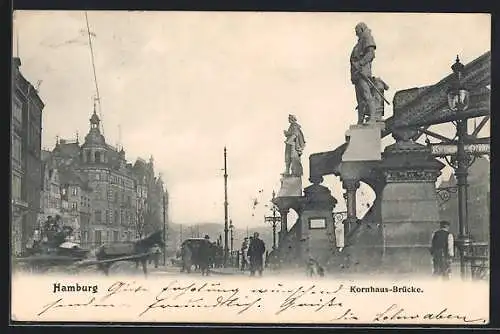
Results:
98 216
74 191
115 235
98 237
97 156
89 155
74 206
16 187
17 109
34 138
117 218
17 152
85 236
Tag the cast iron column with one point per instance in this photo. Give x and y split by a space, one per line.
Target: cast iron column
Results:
226 246
350 186
273 219
164 231
461 175
284 225
231 228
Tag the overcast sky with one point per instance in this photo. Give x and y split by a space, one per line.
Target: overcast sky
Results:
181 85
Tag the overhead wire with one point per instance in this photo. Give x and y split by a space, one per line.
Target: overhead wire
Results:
94 71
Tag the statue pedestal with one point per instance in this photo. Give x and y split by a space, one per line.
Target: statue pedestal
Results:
291 186
364 143
409 208
316 232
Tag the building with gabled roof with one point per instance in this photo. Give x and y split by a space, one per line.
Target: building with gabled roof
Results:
103 197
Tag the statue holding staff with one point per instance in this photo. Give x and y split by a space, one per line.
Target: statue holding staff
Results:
294 147
361 59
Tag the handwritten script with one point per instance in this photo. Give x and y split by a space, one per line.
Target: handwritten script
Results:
279 301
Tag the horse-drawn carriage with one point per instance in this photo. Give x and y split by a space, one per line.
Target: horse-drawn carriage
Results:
56 252
199 253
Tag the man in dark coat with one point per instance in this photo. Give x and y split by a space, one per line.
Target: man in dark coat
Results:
256 252
442 250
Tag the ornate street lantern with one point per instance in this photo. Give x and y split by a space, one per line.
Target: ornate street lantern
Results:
458 101
458 95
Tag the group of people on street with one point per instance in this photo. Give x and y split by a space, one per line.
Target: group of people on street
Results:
155 255
252 250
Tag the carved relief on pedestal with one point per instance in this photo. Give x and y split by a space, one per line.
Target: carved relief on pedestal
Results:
411 176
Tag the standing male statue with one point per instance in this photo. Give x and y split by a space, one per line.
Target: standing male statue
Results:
294 146
362 56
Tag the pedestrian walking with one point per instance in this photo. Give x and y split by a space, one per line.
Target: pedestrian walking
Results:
256 251
155 255
244 254
442 250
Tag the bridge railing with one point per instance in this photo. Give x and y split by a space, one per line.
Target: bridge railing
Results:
479 260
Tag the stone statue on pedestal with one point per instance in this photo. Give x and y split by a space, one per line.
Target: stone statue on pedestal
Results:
361 59
294 146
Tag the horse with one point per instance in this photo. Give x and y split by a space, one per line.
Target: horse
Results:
124 249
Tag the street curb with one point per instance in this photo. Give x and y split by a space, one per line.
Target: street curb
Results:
222 273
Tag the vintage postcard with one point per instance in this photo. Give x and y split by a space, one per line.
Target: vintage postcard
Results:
250 167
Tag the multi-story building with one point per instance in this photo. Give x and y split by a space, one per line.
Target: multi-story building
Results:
75 201
26 170
50 197
150 197
104 198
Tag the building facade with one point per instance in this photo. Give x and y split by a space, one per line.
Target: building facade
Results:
25 157
150 198
104 198
50 196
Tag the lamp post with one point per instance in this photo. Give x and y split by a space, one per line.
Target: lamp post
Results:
164 231
274 220
458 101
225 208
231 230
